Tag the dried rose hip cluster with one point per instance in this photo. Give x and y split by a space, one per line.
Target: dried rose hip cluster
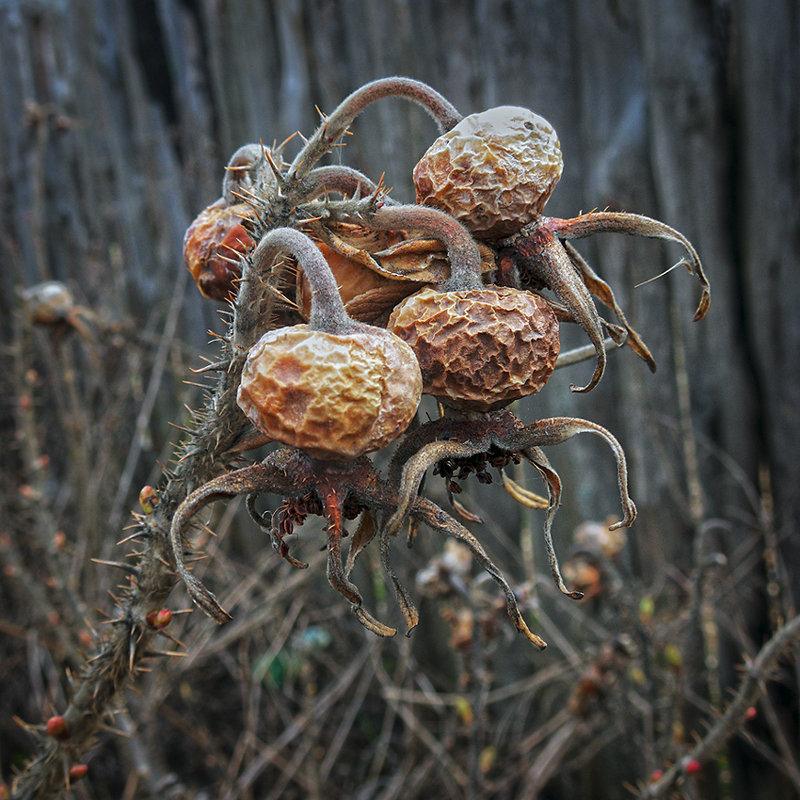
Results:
348 306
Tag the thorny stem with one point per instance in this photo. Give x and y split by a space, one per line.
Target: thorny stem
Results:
202 454
207 450
335 126
246 168
570 357
337 178
735 715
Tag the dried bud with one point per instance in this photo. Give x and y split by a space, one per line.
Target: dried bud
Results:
57 728
212 246
479 349
48 303
335 396
148 499
159 619
493 171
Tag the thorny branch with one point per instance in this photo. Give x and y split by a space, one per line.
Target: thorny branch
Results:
756 672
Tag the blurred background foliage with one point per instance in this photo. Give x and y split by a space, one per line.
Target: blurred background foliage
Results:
116 119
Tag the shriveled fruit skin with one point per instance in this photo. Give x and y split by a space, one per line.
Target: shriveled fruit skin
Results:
479 349
493 171
212 243
334 396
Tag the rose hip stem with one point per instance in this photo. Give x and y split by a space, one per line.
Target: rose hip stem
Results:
327 310
246 162
335 126
462 250
338 178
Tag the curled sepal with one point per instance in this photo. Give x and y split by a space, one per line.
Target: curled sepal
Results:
407 607
635 225
557 430
361 538
372 624
438 520
242 481
522 495
337 577
415 468
551 478
605 294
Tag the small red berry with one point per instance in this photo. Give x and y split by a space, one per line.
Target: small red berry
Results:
751 713
159 619
77 772
692 767
57 728
656 775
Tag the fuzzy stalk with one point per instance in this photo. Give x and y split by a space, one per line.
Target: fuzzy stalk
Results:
335 126
327 309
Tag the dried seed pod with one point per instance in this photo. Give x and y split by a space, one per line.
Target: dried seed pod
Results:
212 246
334 388
493 171
479 349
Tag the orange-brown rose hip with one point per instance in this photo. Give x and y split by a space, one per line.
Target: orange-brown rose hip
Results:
493 171
479 349
211 246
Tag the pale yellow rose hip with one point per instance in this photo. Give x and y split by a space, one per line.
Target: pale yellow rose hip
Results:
493 172
335 396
